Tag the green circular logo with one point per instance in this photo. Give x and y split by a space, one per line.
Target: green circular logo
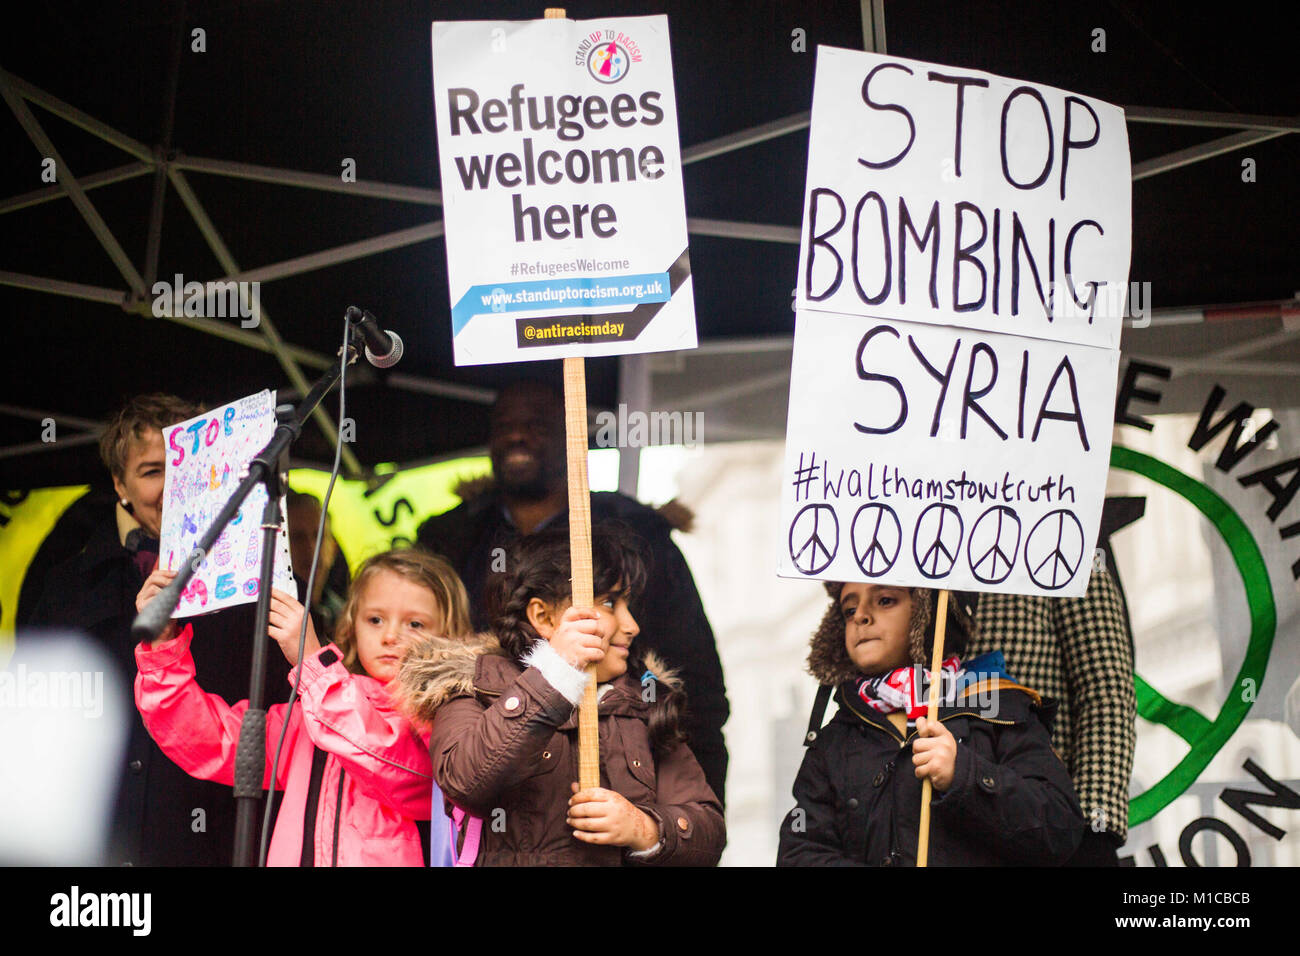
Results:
1205 737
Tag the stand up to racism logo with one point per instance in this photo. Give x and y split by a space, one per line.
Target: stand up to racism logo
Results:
608 55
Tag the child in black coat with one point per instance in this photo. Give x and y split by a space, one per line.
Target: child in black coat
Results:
1000 794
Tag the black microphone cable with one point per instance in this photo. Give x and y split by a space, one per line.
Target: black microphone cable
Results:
311 583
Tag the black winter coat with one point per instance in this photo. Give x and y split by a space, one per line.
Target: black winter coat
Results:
670 614
858 800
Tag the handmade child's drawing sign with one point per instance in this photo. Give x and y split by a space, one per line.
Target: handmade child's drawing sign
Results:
961 293
205 459
561 189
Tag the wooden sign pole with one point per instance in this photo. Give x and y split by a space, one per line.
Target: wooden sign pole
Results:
932 714
575 437
575 433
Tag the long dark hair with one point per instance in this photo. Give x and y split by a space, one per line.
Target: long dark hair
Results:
537 566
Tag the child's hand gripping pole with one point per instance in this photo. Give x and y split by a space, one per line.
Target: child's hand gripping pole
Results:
575 433
931 715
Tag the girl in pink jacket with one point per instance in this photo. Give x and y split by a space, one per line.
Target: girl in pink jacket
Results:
370 767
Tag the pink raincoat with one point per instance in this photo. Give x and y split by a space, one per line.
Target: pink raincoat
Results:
380 759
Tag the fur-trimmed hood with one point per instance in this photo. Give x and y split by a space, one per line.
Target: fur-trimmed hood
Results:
437 669
828 659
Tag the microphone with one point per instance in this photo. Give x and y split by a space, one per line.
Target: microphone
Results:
150 622
383 349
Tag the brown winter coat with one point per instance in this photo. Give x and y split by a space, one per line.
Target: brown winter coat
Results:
505 747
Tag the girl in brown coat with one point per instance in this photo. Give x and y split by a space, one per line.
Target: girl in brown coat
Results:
504 722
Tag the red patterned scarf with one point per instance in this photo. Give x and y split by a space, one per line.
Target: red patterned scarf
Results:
908 689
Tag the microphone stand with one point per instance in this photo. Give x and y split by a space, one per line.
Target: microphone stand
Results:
267 469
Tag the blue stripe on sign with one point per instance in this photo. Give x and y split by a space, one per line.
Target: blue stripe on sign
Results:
573 294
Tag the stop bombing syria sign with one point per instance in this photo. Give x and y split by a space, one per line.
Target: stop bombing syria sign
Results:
561 188
931 456
960 297
950 196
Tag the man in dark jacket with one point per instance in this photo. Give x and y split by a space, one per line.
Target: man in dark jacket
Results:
530 492
1077 651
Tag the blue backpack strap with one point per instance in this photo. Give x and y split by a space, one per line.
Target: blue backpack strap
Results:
442 842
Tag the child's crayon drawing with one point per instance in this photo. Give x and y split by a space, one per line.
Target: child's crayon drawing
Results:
206 456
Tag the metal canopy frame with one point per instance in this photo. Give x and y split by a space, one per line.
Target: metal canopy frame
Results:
17 93
170 167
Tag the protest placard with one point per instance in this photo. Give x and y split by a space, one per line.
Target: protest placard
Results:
932 456
944 195
950 423
206 457
561 189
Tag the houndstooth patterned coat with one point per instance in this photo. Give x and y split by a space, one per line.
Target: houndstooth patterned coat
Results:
1078 651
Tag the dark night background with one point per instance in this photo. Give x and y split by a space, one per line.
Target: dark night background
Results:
302 85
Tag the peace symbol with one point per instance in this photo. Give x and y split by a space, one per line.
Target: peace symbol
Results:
1054 549
877 537
939 531
808 548
993 544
